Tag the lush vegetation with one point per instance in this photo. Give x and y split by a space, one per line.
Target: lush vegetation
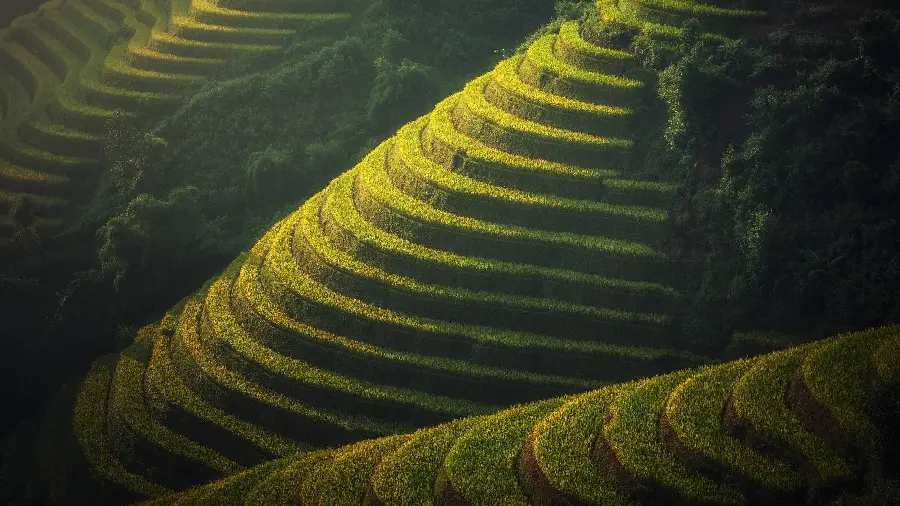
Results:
355 316
639 181
606 446
786 172
235 157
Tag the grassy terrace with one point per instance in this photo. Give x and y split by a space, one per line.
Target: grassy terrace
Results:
729 21
493 252
66 69
565 449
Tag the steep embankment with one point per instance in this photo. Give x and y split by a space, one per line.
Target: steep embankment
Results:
793 427
65 70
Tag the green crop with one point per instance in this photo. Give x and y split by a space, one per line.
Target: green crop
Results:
835 374
758 401
481 465
572 49
633 434
222 377
163 378
371 244
694 411
475 116
89 427
349 474
282 263
227 329
131 414
406 477
373 182
563 442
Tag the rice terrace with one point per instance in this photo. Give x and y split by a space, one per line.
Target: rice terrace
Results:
450 252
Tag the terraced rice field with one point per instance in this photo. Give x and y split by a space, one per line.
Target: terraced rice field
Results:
792 427
488 254
65 70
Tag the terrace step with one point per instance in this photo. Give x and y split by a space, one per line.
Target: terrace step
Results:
206 11
104 95
506 91
391 210
347 230
694 429
73 113
482 463
712 18
15 178
119 73
430 353
286 6
155 61
316 386
98 28
189 48
758 415
828 394
631 451
254 403
465 155
407 475
115 12
344 274
69 108
347 477
146 447
202 32
61 139
37 80
570 47
72 129
474 116
61 61
285 484
176 405
668 34
17 152
421 178
557 465
90 415
558 451
542 69
40 204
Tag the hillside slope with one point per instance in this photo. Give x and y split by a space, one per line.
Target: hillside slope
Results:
490 253
66 69
800 426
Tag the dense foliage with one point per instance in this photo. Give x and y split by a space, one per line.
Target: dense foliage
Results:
785 149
